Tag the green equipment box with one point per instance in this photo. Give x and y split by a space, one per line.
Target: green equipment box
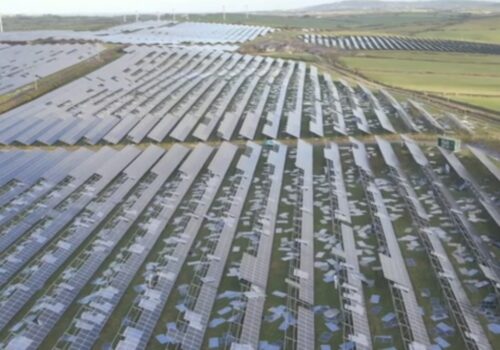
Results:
449 143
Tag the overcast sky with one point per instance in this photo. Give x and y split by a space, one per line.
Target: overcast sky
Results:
147 6
120 6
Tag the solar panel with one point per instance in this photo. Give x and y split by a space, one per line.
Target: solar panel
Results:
465 175
194 335
305 332
271 127
361 156
474 330
58 256
294 118
488 163
255 268
461 223
316 124
304 162
395 270
148 315
106 297
23 64
354 42
426 115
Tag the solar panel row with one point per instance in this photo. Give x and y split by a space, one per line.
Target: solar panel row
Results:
357 42
457 299
217 258
352 286
391 259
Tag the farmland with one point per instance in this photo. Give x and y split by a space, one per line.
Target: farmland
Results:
484 29
474 79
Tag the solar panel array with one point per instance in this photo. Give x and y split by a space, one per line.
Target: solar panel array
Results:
156 94
244 245
458 300
374 42
150 33
216 259
188 32
78 229
21 65
391 258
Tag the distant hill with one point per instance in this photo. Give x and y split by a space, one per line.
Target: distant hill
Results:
393 6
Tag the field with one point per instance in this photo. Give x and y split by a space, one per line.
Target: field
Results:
474 79
346 22
486 29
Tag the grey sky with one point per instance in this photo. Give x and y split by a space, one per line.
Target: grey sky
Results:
149 6
120 6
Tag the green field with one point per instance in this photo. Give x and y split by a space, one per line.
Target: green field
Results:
485 29
474 79
393 22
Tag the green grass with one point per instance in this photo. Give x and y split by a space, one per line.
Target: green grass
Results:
483 29
468 78
357 21
492 102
